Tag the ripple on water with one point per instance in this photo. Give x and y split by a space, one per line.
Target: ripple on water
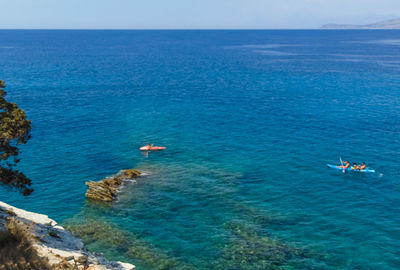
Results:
248 137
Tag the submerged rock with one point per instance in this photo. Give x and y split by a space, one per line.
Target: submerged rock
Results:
110 237
107 189
248 248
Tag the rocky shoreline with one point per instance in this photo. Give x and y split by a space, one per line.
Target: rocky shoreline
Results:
52 243
107 189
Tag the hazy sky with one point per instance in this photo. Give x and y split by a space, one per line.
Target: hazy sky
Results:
145 14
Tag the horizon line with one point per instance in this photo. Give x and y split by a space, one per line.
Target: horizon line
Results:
191 29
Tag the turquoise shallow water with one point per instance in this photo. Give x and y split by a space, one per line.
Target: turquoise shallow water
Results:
249 119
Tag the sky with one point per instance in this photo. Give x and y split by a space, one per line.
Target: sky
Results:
191 14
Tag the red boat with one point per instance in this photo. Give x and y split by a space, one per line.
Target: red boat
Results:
151 148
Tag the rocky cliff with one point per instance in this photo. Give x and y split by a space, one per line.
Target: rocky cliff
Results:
51 245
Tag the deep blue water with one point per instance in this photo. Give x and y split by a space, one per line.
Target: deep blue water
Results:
249 119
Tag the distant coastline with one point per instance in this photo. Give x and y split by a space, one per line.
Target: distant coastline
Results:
388 24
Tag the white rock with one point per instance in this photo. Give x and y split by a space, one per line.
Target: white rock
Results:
97 267
62 247
126 266
38 218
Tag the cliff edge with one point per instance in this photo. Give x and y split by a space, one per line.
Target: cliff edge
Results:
52 245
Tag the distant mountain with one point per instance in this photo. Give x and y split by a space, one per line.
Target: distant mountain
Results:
389 24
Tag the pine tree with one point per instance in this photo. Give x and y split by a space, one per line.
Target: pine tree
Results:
15 130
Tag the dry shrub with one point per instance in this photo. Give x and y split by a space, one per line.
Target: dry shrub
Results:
16 249
64 265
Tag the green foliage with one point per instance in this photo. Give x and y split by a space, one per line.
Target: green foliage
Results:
14 130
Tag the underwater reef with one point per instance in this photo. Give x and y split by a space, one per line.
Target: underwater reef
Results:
249 249
110 237
246 242
245 248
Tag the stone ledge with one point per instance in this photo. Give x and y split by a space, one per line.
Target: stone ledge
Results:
107 189
56 244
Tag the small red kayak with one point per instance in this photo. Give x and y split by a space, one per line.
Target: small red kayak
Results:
151 148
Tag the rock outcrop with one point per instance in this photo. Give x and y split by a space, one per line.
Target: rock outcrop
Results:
107 189
58 248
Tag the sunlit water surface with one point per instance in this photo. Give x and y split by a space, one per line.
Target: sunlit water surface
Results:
249 119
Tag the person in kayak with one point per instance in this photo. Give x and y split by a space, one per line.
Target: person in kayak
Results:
362 166
149 146
345 166
355 166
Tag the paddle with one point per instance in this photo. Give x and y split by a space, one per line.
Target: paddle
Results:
341 162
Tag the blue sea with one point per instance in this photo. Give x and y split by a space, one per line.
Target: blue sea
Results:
249 118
